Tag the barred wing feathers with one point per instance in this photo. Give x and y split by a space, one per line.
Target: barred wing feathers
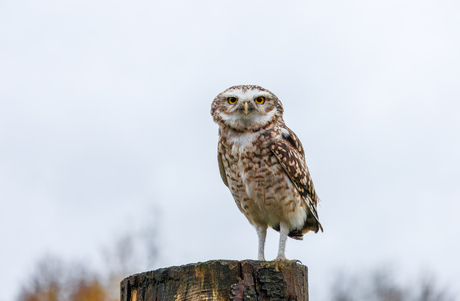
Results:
290 155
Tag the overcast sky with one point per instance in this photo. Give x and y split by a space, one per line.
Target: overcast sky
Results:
104 117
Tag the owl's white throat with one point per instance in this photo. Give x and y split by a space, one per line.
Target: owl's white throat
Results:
242 140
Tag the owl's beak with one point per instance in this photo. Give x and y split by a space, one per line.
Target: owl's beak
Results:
246 108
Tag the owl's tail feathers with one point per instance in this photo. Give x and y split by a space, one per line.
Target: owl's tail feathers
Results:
312 224
296 234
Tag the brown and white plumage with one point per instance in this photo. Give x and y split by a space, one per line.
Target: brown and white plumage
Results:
262 162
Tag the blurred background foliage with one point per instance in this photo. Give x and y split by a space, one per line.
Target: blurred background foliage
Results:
383 284
55 279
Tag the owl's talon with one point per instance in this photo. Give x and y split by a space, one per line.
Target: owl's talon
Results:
284 259
278 260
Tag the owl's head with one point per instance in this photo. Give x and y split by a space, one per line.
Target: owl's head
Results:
246 108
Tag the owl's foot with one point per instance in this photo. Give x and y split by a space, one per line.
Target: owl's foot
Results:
284 259
281 259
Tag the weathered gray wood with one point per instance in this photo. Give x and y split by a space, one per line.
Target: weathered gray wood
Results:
220 280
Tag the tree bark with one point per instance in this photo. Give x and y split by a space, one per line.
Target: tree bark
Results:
220 280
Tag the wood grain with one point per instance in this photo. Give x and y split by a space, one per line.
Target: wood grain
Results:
220 280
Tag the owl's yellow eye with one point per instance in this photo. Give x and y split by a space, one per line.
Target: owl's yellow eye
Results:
260 100
232 100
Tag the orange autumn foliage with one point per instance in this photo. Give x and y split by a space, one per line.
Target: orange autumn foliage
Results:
93 291
83 291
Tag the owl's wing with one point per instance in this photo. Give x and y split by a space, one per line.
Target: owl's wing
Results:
223 174
290 155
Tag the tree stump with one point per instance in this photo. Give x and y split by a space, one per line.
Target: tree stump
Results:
220 280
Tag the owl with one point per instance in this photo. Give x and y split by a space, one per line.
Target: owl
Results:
262 162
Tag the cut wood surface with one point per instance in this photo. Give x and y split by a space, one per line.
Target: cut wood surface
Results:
220 280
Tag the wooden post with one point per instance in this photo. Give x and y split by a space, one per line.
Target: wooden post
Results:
220 280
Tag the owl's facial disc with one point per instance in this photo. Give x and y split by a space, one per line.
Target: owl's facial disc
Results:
247 109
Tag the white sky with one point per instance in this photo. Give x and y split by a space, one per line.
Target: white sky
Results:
104 115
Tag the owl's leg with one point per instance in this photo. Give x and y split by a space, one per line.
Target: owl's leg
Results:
284 231
261 233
